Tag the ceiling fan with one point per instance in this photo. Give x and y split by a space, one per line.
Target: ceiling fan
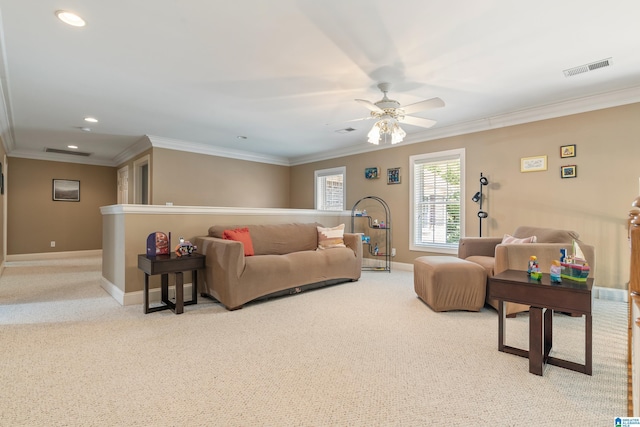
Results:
389 113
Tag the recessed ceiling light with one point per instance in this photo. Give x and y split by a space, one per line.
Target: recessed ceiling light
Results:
70 18
75 147
91 119
85 129
241 137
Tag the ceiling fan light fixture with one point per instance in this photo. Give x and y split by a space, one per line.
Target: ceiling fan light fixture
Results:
374 134
70 18
387 128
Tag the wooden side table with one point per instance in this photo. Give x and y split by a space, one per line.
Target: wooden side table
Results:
544 297
165 264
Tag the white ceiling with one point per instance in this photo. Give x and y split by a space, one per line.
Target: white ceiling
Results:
285 73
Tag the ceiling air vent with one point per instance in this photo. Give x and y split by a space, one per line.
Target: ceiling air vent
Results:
345 130
73 153
588 67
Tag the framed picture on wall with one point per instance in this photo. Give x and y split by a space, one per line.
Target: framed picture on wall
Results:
66 190
533 164
569 171
568 151
393 176
371 173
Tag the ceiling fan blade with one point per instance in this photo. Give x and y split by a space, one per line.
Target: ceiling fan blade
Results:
370 105
418 121
423 105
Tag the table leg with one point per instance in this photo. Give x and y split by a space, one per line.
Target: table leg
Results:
145 295
179 293
548 332
194 287
165 288
588 342
535 341
500 325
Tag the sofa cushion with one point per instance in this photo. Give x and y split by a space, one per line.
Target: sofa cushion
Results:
277 239
546 235
240 235
332 237
508 238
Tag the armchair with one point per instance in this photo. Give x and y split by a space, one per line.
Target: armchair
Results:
497 257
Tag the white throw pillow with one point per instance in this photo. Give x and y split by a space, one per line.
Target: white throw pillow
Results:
331 237
510 239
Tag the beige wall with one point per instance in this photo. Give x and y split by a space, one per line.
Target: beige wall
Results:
190 179
595 204
34 219
3 203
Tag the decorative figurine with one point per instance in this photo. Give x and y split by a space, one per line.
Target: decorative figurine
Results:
158 243
556 271
563 255
533 261
185 247
375 250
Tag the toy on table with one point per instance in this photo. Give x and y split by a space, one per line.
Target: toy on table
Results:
555 271
575 267
533 262
533 269
158 243
185 247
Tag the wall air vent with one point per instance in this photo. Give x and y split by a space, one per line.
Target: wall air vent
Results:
588 67
345 130
73 153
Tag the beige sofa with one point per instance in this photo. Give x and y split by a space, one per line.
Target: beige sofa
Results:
496 257
286 260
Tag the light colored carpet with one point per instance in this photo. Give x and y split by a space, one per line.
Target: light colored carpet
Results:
357 354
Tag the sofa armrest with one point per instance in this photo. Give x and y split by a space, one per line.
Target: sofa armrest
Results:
354 242
482 246
516 256
224 263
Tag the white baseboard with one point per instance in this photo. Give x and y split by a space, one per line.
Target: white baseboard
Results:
620 295
136 298
53 255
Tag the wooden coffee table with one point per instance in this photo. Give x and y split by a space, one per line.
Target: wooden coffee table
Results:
544 297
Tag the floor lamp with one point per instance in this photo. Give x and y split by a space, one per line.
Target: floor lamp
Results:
478 199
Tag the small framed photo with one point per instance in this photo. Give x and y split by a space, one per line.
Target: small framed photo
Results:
371 173
533 164
66 190
569 171
568 151
393 176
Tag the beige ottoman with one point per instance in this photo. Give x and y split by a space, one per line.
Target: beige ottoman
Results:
449 283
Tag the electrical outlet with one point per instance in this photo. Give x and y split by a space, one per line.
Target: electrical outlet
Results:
393 251
53 243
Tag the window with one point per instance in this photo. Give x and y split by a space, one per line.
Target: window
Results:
437 206
330 194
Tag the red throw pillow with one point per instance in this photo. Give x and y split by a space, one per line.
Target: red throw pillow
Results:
240 235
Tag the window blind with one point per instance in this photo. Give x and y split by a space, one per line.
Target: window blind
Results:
436 201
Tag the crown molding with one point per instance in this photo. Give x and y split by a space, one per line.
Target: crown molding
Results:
140 146
193 147
543 112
